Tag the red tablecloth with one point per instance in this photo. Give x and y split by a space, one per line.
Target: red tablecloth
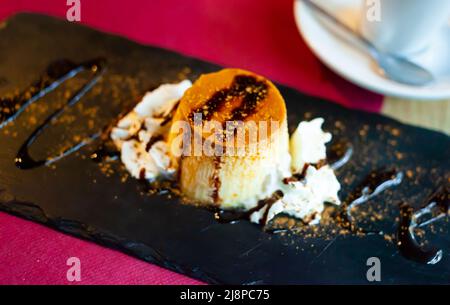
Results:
259 35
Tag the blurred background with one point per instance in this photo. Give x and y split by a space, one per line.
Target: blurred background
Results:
259 35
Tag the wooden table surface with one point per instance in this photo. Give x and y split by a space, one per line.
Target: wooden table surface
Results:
430 114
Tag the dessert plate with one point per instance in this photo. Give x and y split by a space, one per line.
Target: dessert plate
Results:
97 201
352 62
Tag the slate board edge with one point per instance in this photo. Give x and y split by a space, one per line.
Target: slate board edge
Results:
80 230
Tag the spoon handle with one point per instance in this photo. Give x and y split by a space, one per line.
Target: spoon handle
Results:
340 24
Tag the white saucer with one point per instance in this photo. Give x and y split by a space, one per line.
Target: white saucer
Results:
352 63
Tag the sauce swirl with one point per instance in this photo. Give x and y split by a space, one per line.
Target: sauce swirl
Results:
56 74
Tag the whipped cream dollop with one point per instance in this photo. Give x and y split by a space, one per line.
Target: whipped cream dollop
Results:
140 134
305 198
307 145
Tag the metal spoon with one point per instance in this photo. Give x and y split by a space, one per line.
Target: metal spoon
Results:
396 68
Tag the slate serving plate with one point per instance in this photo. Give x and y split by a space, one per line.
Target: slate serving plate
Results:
80 197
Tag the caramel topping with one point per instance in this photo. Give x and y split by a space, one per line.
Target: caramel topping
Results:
233 95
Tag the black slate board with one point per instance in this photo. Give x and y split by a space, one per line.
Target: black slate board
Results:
76 197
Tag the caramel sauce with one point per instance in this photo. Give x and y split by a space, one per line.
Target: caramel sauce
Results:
55 75
231 216
408 246
374 184
248 88
216 179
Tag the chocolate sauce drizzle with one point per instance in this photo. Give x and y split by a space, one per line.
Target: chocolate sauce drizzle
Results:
152 141
168 118
231 216
375 184
105 152
56 74
438 205
216 179
251 90
344 159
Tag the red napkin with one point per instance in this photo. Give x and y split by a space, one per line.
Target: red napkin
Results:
259 35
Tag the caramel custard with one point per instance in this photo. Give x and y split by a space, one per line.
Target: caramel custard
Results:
237 174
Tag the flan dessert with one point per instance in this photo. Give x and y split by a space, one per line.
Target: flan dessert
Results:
248 136
224 140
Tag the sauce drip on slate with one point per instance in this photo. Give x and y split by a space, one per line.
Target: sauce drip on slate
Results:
216 179
251 90
409 220
56 74
230 216
374 184
343 159
105 152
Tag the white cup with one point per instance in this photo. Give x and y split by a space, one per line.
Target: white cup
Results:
405 27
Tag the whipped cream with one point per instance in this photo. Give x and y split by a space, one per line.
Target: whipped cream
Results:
143 124
305 199
307 144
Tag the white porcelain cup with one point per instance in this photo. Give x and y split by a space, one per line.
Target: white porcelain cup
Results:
404 27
